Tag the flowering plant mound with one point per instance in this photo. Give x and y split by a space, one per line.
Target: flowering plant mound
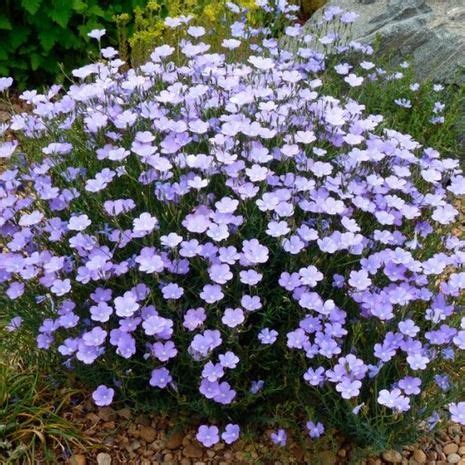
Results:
222 237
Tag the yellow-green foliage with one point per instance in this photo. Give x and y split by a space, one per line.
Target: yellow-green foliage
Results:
308 7
150 31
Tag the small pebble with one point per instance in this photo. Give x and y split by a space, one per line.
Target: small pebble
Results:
193 451
419 456
392 456
103 458
147 433
450 448
453 458
78 459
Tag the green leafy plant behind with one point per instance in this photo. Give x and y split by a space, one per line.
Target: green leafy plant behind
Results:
39 37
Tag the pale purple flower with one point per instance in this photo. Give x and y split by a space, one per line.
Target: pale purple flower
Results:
394 400
212 371
31 218
315 430
211 293
250 277
359 280
267 336
233 317
172 291
208 435
126 305
61 287
5 83
457 412
251 303
229 360
164 351
194 318
160 378
97 34
103 395
254 252
230 433
410 385
14 324
145 223
279 437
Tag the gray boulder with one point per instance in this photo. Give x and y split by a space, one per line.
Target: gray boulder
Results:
429 32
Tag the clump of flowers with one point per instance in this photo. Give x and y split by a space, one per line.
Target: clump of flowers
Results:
221 236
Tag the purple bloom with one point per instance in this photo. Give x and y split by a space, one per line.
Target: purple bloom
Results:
61 287
145 223
208 435
394 400
457 412
267 336
79 223
14 324
211 293
315 430
229 360
164 351
233 317
160 378
231 433
172 291
279 437
410 385
254 252
194 318
103 395
126 305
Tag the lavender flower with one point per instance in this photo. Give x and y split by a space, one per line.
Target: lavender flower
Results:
208 435
103 395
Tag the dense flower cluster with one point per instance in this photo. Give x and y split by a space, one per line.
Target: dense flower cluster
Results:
219 222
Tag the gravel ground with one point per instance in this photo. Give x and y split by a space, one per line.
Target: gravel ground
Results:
121 438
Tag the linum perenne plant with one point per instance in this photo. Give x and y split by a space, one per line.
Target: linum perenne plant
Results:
223 239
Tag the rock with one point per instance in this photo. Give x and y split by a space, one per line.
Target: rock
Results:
419 456
327 457
451 448
92 417
461 450
392 456
103 458
124 413
106 413
432 32
193 451
77 459
453 458
143 420
133 446
174 441
147 433
454 429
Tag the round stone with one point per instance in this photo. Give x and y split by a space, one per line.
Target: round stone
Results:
392 456
450 448
453 458
419 456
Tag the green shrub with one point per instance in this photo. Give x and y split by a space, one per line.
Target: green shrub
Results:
149 29
40 36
